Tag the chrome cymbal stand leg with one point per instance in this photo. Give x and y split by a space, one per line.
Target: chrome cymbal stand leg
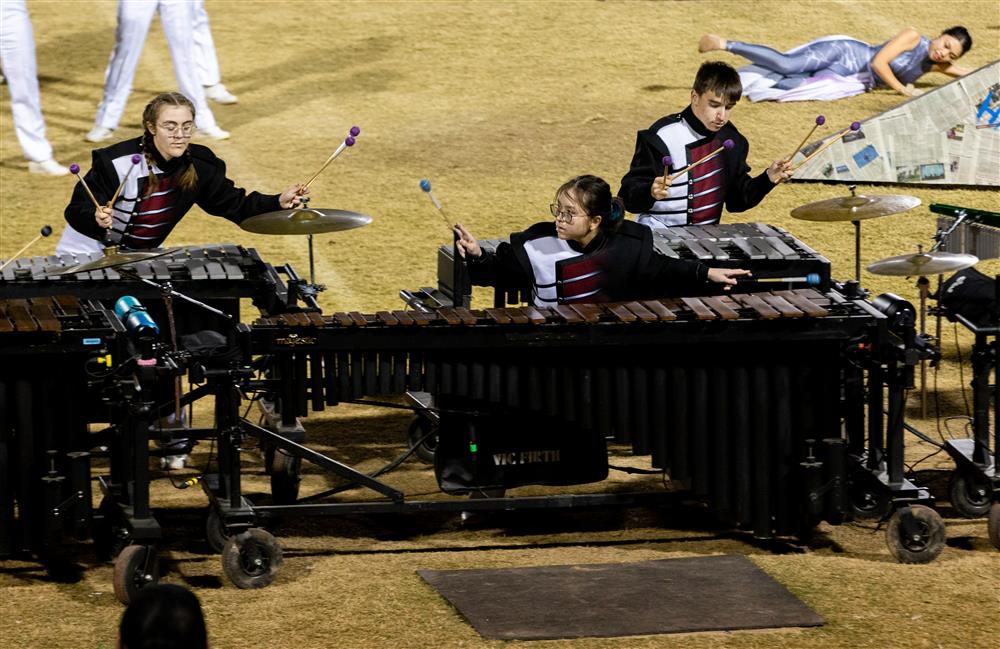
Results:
857 250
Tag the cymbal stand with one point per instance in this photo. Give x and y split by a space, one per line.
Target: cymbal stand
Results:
857 239
923 286
167 291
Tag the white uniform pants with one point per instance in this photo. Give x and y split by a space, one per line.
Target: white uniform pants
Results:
134 18
17 57
205 61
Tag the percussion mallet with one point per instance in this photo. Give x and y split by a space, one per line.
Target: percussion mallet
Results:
812 279
136 159
727 145
855 126
348 141
75 170
667 161
820 120
45 231
426 186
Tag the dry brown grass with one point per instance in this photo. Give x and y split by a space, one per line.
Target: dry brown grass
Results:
497 103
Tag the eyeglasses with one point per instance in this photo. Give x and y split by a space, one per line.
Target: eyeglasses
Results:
564 215
173 128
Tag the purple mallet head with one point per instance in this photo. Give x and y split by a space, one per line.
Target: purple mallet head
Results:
74 168
355 131
728 144
667 161
820 121
855 126
136 158
425 185
349 141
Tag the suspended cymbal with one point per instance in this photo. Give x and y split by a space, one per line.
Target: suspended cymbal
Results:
923 263
855 208
110 259
306 220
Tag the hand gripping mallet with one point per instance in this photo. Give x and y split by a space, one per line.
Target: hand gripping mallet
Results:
348 141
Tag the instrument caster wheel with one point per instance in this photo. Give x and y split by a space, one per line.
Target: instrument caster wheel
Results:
286 474
867 504
993 525
970 495
423 438
251 559
915 534
136 567
215 531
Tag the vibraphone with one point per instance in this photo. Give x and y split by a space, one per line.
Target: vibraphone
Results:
47 347
768 251
220 274
722 392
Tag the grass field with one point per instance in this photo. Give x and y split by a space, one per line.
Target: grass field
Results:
497 103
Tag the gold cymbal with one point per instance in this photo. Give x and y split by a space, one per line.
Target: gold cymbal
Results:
306 220
923 263
855 208
112 257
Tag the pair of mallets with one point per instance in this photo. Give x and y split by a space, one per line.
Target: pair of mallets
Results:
728 144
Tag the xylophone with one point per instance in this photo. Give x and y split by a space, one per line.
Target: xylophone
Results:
770 252
722 392
967 230
44 407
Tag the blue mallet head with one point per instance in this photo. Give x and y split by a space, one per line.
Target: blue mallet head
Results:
812 279
425 185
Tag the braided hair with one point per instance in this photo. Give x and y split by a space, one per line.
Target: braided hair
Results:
150 115
594 196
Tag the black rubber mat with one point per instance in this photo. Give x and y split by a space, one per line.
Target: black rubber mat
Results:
717 593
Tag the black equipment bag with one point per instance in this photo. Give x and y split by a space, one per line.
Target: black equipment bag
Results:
500 449
971 294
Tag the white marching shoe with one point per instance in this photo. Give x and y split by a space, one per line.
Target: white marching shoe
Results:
99 134
220 94
213 133
48 167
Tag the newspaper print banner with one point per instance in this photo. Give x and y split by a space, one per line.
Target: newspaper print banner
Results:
947 136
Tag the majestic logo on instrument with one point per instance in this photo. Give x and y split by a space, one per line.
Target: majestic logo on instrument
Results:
518 458
295 340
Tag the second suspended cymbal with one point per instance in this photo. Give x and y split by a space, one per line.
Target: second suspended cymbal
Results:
307 220
855 208
923 263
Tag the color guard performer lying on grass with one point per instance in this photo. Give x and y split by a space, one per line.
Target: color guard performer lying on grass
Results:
138 208
699 135
589 254
839 66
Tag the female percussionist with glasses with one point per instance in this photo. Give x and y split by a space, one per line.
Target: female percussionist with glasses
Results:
589 254
154 180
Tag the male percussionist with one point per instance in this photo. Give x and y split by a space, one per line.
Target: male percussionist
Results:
696 197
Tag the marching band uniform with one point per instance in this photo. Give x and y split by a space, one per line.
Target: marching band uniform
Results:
145 221
697 196
620 264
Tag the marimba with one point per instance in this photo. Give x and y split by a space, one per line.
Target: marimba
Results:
51 349
722 392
